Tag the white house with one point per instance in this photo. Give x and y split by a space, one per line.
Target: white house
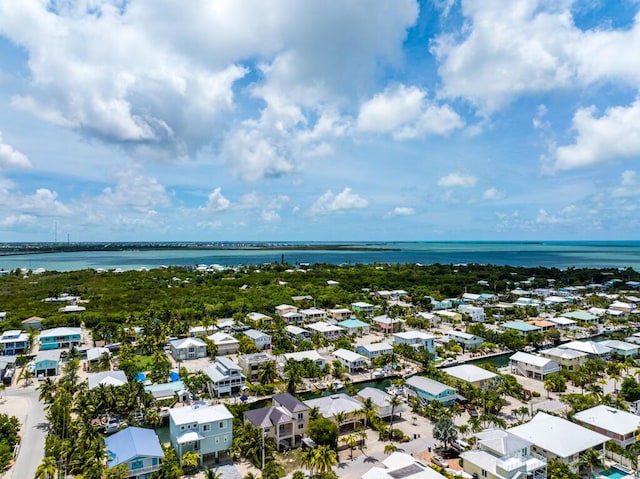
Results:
226 377
326 330
415 339
251 363
466 340
225 343
350 360
620 348
531 366
362 307
555 437
591 348
282 309
471 374
313 314
339 314
621 426
260 339
297 334
381 401
476 313
312 355
374 350
329 406
188 348
292 317
402 465
107 378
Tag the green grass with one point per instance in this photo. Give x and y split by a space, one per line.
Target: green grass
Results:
143 362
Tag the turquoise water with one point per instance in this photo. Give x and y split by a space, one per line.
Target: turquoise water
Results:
614 473
588 254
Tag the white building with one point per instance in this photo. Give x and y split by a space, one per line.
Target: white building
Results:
532 366
415 339
402 465
260 339
466 340
313 314
326 330
226 377
297 334
476 313
188 348
312 355
350 360
381 401
374 350
225 343
471 374
621 426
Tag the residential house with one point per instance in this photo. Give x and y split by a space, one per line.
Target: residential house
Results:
164 391
580 316
374 350
593 349
556 438
621 426
362 307
14 342
58 338
188 348
440 305
466 340
292 317
382 402
201 428
503 455
47 363
624 308
415 339
313 314
285 308
329 406
107 378
388 325
261 318
297 334
471 374
311 355
34 322
450 316
354 326
326 330
251 363
201 331
621 349
402 465
532 366
569 359
285 421
339 314
350 360
563 323
521 327
543 324
476 313
260 339
95 354
138 448
226 344
427 390
226 377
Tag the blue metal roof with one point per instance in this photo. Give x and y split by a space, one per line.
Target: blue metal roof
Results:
353 323
130 443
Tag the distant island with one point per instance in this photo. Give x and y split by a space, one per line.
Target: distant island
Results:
35 248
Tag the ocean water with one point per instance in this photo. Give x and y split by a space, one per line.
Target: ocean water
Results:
590 254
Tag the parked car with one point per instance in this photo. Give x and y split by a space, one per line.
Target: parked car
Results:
440 461
473 412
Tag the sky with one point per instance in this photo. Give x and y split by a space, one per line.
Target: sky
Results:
367 120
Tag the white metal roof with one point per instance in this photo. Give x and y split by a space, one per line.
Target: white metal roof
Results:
558 436
199 414
532 359
349 356
610 419
469 373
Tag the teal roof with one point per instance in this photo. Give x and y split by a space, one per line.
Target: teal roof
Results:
579 316
175 386
520 326
353 323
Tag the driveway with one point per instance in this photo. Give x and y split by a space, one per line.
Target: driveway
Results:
31 450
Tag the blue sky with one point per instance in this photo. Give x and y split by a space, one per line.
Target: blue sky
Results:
287 120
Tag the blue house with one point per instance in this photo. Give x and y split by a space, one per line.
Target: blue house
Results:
136 447
354 326
428 390
59 338
202 428
47 363
13 342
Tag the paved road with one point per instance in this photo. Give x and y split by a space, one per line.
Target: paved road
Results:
35 432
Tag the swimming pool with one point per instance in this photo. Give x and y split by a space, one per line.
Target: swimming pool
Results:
616 472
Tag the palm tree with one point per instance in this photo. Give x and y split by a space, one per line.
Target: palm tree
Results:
27 376
325 458
47 390
367 408
47 469
394 401
213 474
309 460
390 449
340 418
267 372
591 459
104 362
190 460
351 441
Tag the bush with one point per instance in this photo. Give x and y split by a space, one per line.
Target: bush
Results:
535 394
324 431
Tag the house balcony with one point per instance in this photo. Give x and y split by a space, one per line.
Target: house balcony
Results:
143 470
532 464
285 430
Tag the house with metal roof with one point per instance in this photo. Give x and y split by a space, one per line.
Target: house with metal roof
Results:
521 327
374 350
260 339
138 448
354 326
107 378
415 339
532 366
326 330
400 465
387 324
14 342
188 348
296 333
251 363
350 360
47 363
471 374
620 348
329 406
362 307
312 355
502 455
621 426
555 437
427 390
59 338
381 402
202 428
225 343
226 377
593 349
466 340
580 316
569 359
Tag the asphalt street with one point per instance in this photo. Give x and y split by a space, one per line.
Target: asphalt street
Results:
31 449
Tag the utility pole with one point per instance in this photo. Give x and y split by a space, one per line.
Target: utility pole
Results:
263 451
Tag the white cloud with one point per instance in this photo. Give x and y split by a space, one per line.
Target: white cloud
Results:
405 113
629 185
216 201
613 135
509 49
492 194
12 158
402 211
457 180
134 191
345 200
563 216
